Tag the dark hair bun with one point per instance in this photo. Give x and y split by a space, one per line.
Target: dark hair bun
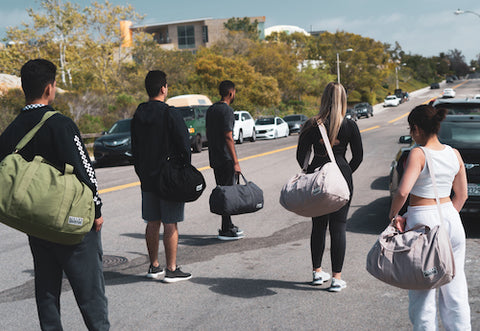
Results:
441 113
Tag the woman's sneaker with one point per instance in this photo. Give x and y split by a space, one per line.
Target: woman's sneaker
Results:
155 272
320 277
176 276
337 285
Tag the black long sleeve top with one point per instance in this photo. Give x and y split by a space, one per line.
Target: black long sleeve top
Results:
58 141
347 135
158 131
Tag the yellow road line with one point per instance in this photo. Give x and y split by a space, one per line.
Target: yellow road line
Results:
372 128
398 118
122 187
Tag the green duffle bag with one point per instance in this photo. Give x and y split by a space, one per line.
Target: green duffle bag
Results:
38 199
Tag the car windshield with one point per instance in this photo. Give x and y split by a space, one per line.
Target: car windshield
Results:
187 113
391 97
461 108
460 134
291 118
120 127
265 121
360 105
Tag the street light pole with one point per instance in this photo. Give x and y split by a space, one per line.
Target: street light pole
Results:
338 63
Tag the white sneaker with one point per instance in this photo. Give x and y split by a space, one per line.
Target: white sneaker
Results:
337 285
320 277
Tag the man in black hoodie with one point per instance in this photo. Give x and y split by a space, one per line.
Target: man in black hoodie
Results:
158 131
59 142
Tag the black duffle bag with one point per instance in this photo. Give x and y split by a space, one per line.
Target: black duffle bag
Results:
236 199
178 180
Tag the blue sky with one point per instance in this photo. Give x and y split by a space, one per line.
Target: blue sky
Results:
425 27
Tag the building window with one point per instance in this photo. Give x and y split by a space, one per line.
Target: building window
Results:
186 36
205 34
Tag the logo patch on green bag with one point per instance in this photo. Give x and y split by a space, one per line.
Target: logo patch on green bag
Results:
75 220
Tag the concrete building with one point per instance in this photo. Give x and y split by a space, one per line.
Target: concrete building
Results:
191 34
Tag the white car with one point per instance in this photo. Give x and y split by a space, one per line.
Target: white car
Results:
477 96
244 127
391 100
449 93
271 128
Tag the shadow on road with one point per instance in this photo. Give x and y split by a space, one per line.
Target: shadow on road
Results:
381 183
371 218
250 288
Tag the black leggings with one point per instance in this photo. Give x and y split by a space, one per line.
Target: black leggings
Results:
337 224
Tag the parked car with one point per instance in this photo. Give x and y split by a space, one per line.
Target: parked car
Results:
194 109
461 132
114 146
449 79
351 114
449 93
459 106
434 86
295 122
391 101
477 96
363 109
271 128
244 127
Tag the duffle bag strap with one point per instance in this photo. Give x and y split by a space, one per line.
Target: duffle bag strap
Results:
326 141
26 139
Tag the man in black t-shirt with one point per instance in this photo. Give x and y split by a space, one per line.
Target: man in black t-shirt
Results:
221 150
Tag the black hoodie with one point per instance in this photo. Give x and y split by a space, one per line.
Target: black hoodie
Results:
158 131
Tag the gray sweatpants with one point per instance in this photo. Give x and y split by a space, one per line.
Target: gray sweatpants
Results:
453 297
82 264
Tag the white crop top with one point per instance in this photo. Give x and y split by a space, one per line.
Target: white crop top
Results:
446 167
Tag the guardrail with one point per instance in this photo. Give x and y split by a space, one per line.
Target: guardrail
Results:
90 135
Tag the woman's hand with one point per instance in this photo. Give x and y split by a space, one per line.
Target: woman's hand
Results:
399 222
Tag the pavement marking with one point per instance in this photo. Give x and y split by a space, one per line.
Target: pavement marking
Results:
398 118
125 186
368 129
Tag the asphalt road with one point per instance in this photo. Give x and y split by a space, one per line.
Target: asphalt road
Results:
260 282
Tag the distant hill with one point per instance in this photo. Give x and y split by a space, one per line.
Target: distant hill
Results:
8 82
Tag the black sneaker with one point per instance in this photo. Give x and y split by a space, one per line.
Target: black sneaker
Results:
155 272
236 229
176 276
229 235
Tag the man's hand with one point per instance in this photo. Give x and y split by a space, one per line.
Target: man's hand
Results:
98 222
237 169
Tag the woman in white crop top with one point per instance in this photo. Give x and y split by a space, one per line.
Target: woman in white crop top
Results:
450 174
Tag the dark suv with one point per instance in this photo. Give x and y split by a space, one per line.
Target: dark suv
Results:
461 132
363 109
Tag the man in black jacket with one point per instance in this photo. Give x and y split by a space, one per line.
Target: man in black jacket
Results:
59 142
158 131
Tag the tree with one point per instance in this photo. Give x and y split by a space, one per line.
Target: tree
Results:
253 89
65 25
457 62
243 25
103 55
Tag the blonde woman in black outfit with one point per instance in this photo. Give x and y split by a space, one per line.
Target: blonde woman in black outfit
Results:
341 133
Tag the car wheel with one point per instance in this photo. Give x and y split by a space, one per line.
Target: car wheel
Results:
197 146
254 136
240 137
